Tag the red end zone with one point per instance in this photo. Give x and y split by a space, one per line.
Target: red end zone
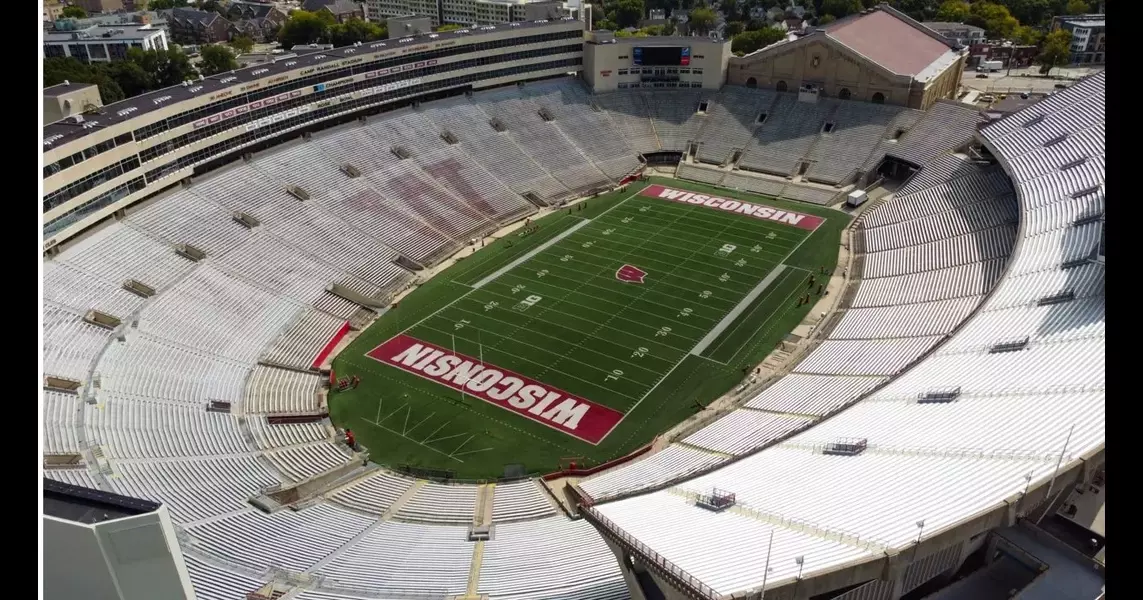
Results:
526 397
758 211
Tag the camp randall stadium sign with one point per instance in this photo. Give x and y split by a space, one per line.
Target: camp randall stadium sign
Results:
528 398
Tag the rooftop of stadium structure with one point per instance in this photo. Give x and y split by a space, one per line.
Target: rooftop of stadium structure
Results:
64 131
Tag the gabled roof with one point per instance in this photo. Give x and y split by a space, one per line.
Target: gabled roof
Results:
890 39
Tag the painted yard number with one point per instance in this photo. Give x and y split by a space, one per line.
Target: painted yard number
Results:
639 352
460 324
616 374
663 331
527 303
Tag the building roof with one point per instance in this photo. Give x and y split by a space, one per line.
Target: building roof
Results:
891 40
88 506
62 132
947 26
61 89
104 33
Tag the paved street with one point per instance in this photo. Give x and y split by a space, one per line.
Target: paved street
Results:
1024 80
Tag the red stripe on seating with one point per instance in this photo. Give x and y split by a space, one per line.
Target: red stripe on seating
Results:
325 352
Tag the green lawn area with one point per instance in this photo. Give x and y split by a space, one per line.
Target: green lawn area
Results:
639 353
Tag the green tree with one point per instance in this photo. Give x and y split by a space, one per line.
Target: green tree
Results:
755 40
304 27
355 30
216 59
628 13
164 67
59 69
1028 36
1056 51
242 44
701 20
734 28
953 11
841 8
1077 7
997 22
73 12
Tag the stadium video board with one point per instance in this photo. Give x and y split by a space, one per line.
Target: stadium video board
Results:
662 56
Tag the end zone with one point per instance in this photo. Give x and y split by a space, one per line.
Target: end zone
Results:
758 211
544 404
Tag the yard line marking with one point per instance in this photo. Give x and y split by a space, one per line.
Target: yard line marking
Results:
473 289
737 311
529 254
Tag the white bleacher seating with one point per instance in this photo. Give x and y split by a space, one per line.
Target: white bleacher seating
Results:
71 345
815 395
267 436
670 463
61 414
395 559
743 430
438 503
303 340
126 427
274 391
187 218
288 539
302 462
196 488
562 559
214 583
374 493
780 144
518 501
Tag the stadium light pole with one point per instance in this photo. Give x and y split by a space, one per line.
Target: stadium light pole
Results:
767 571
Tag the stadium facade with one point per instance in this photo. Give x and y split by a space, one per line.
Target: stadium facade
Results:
977 296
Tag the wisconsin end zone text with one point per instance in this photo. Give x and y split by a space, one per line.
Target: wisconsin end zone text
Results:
526 397
758 211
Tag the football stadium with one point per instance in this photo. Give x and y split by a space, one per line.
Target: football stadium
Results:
531 311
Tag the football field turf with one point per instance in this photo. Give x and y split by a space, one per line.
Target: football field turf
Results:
587 336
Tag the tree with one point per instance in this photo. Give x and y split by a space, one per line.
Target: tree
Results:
216 59
953 11
841 8
242 44
1028 36
304 27
628 13
1076 7
701 20
734 28
997 22
755 40
1056 51
59 69
355 30
73 12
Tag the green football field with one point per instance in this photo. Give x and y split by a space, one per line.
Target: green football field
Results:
635 309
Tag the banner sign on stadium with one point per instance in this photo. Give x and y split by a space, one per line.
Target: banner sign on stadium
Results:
758 211
526 397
